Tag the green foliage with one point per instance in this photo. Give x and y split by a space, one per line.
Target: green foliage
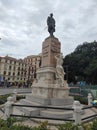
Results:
10 124
20 97
3 98
68 126
10 121
82 63
91 125
83 100
2 123
87 126
42 126
94 125
20 127
7 123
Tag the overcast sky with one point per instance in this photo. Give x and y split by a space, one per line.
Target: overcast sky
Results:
23 25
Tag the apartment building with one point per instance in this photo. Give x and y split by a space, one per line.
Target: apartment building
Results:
34 62
13 70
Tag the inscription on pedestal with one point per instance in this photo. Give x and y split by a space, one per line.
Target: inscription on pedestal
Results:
55 49
45 51
50 48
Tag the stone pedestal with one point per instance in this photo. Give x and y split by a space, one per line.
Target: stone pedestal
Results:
47 86
50 91
50 47
46 75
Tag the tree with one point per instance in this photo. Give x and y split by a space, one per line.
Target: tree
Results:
82 63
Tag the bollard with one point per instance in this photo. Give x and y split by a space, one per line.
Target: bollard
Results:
8 107
14 95
90 98
77 112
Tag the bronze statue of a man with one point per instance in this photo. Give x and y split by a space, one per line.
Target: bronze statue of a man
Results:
51 24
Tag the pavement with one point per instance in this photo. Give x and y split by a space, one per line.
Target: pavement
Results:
4 91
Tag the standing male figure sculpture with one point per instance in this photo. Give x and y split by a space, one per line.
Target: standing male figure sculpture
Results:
51 24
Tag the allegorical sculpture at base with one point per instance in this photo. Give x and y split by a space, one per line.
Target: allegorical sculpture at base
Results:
59 69
51 24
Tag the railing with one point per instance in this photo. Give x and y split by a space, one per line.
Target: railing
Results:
49 118
89 117
76 108
41 117
1 108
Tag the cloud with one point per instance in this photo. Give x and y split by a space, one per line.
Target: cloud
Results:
23 25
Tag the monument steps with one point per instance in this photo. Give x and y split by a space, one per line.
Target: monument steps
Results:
59 110
27 110
40 100
56 114
27 102
17 111
46 112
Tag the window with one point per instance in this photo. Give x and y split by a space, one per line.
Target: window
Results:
18 73
10 61
3 78
6 61
9 73
14 68
8 78
4 72
10 67
18 68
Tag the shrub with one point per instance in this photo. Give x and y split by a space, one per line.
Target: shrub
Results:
42 126
20 127
3 98
87 126
20 97
83 100
7 123
94 125
68 126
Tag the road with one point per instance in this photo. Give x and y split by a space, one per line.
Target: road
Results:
4 91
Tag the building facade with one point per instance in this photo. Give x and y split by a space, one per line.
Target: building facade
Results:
17 72
13 71
34 62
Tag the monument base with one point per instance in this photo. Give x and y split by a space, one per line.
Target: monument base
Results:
48 86
50 101
49 91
